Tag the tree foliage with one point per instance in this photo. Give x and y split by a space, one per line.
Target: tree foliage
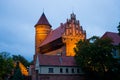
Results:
6 65
118 28
17 73
21 59
95 55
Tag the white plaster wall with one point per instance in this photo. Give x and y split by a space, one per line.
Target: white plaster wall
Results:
56 70
37 64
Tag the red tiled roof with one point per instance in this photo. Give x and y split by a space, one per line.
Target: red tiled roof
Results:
114 36
55 60
53 35
43 21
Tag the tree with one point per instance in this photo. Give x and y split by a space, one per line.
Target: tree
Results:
6 65
119 35
94 55
21 59
17 73
119 28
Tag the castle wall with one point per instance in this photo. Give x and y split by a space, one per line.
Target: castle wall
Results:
52 46
62 45
73 33
41 33
43 73
60 77
60 51
70 45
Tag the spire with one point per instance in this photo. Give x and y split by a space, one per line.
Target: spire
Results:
43 20
73 16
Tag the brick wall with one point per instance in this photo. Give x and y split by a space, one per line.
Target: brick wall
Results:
60 77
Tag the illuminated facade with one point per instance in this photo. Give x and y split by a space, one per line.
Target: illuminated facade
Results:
23 69
54 50
60 41
42 29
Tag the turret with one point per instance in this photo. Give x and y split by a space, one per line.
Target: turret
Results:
42 29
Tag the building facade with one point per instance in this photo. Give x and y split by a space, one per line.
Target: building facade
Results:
59 41
54 50
56 68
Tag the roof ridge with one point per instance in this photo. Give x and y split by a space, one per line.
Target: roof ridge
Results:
110 32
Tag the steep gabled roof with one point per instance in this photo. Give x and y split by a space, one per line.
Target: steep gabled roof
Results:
54 34
43 20
114 36
55 60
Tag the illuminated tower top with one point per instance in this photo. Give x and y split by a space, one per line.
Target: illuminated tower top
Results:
42 29
43 21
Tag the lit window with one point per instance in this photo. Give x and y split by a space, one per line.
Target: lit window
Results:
50 70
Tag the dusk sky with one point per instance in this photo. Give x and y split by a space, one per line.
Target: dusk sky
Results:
18 17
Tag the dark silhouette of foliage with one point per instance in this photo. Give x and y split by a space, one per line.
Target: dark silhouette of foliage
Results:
21 59
95 58
118 28
17 73
6 65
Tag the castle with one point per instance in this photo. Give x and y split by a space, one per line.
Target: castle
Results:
54 50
